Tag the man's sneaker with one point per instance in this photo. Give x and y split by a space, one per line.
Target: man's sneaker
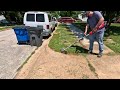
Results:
90 52
99 55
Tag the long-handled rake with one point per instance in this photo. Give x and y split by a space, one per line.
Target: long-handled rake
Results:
64 50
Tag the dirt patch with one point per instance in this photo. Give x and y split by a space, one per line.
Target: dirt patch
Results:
48 64
106 67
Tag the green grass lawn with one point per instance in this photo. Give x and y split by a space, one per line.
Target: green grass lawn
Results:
62 38
5 27
114 35
2 28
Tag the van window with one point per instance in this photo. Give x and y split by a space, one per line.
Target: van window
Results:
40 18
30 17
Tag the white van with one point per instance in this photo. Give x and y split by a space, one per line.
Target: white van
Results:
35 18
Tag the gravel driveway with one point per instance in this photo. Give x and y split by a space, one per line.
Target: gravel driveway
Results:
12 55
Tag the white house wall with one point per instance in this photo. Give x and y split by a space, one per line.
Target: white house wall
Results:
2 17
84 19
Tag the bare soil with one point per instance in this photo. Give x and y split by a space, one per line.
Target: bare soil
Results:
48 64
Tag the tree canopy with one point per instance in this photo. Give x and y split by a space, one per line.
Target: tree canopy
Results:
17 16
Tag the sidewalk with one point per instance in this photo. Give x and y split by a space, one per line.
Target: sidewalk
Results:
12 55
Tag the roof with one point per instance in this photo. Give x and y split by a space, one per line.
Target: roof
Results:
35 12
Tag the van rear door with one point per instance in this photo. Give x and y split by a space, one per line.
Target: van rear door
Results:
34 19
29 19
40 20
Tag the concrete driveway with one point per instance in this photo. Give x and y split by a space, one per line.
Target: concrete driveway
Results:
12 55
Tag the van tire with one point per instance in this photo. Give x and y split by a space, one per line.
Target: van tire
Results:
54 28
55 25
41 40
33 43
49 35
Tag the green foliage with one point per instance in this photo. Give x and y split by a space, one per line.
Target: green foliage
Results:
16 16
115 36
73 14
5 27
62 38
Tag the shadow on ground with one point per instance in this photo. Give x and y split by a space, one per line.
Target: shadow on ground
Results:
46 37
80 49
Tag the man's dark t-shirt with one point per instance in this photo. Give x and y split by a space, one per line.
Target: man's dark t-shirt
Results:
92 21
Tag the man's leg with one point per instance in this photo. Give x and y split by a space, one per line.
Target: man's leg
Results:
99 37
91 39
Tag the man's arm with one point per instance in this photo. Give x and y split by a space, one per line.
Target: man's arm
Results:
86 29
98 24
101 20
